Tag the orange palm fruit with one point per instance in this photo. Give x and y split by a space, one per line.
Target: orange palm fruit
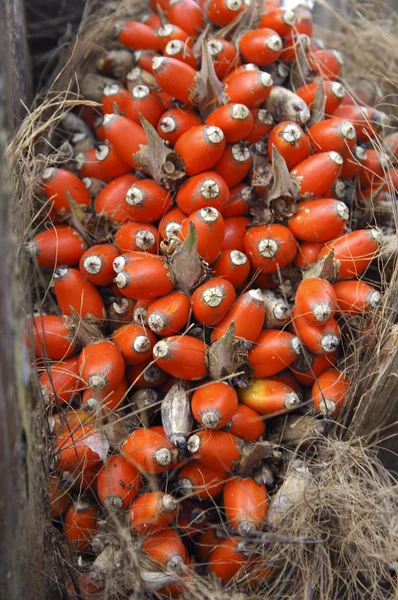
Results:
245 504
333 134
214 404
234 164
138 36
356 297
110 202
52 337
235 231
144 279
307 172
181 356
137 237
168 314
247 314
223 13
69 420
152 512
262 46
118 482
201 148
175 122
247 424
125 136
233 266
224 56
102 163
263 123
274 351
206 542
109 398
319 220
353 251
330 391
368 122
60 185
61 380
148 451
227 559
59 499
135 343
306 368
146 102
248 87
96 264
280 20
218 450
212 300
287 378
59 245
326 63
235 120
319 339
270 247
176 78
114 95
168 32
202 190
374 169
267 396
316 300
210 230
291 142
101 365
166 548
307 253
181 51
334 94
200 481
238 202
170 224
81 524
81 450
146 201
73 290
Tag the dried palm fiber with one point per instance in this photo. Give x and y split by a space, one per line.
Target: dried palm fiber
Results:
335 535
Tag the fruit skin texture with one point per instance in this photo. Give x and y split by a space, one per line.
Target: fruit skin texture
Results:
101 365
59 184
355 297
291 142
61 381
269 247
145 278
246 504
148 513
319 220
247 314
169 314
118 482
319 339
200 148
135 343
354 251
218 450
205 482
52 337
247 424
212 300
210 230
142 447
106 253
72 289
329 392
213 405
81 525
59 245
166 548
316 300
273 352
181 356
254 47
318 363
226 560
307 172
267 396
205 189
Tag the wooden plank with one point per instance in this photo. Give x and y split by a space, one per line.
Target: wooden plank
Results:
26 552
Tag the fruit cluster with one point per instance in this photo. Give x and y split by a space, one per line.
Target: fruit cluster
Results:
202 258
